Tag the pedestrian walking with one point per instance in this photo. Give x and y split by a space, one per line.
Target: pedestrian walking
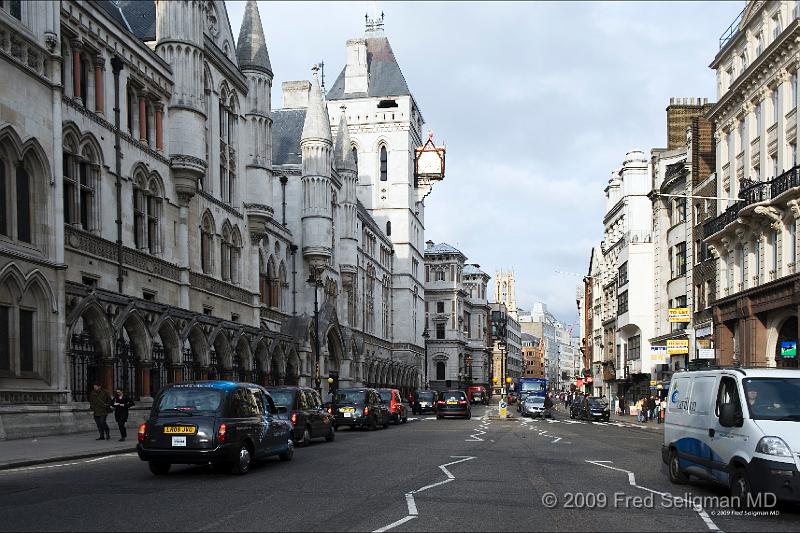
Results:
121 404
100 405
640 410
651 407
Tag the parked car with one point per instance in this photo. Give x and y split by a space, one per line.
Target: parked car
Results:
397 410
737 427
359 408
424 401
310 420
533 406
226 424
453 403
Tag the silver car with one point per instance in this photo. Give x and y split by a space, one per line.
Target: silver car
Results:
533 406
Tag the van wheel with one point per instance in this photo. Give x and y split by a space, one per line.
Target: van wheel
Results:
158 468
331 434
676 475
740 489
241 465
289 453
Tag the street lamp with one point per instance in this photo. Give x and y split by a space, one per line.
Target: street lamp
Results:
314 279
460 377
425 337
331 389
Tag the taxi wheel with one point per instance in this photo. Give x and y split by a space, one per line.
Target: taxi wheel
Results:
676 475
241 465
289 453
158 468
373 425
331 434
306 439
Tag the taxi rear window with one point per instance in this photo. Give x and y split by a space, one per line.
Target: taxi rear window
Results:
180 400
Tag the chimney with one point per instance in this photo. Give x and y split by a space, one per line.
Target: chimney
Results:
355 72
428 245
295 94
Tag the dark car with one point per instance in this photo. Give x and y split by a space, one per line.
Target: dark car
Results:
591 408
360 408
453 403
424 401
221 423
397 410
310 420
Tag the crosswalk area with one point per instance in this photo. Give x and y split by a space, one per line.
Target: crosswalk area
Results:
584 422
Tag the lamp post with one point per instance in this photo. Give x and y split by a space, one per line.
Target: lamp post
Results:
331 389
460 376
314 279
425 337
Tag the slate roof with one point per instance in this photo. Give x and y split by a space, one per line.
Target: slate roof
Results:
113 11
471 270
251 49
442 248
140 16
287 128
385 76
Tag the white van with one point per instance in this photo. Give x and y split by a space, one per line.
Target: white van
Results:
736 426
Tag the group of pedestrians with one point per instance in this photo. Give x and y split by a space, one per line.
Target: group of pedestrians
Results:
648 409
101 403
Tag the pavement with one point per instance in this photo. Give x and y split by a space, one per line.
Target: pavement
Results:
426 475
25 452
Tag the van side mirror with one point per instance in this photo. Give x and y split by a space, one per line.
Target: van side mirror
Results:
729 416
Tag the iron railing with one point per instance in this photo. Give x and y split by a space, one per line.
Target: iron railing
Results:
84 362
125 363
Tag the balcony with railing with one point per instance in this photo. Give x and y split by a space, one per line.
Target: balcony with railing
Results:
732 30
753 192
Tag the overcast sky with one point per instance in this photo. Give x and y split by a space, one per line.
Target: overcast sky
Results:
537 102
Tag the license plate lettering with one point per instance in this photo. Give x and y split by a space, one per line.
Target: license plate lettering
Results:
179 430
179 441
348 415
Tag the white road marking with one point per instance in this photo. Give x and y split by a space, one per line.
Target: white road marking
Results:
557 439
411 419
59 465
632 481
412 504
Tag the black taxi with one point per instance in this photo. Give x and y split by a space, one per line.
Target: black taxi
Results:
222 423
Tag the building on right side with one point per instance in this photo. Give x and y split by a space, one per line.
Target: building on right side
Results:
753 233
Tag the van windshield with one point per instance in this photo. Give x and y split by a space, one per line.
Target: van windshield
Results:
189 400
773 398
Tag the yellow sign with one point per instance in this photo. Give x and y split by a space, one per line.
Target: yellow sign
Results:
653 382
677 346
660 386
679 314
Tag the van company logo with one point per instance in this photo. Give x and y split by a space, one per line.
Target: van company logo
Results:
674 396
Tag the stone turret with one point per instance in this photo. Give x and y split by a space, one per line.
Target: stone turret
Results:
316 148
346 167
179 41
253 58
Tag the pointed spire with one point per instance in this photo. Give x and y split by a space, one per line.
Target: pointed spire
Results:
342 151
251 49
317 124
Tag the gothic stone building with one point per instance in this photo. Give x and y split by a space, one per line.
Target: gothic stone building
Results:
161 222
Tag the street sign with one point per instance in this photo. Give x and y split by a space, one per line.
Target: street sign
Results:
658 355
679 314
706 353
503 409
677 346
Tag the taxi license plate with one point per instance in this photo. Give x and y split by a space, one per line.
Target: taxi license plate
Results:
347 410
451 403
179 441
179 430
348 415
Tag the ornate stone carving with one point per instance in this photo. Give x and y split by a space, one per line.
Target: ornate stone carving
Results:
774 214
794 205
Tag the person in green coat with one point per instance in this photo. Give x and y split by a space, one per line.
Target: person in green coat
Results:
100 405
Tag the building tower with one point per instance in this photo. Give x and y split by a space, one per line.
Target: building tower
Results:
253 57
346 167
316 147
504 291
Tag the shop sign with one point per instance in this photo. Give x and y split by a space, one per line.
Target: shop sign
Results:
677 346
658 355
704 331
703 343
706 353
789 349
679 314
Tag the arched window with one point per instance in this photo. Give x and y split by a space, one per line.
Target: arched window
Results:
370 299
227 152
355 158
283 287
204 183
226 245
81 175
384 164
236 254
3 195
263 283
440 371
385 308
147 213
388 228
154 195
206 244
272 284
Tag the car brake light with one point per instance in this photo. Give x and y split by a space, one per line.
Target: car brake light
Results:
294 418
366 411
222 432
330 410
440 402
142 432
462 402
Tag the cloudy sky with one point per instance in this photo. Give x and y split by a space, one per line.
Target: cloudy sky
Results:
537 102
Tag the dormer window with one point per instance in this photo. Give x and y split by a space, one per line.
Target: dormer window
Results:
383 104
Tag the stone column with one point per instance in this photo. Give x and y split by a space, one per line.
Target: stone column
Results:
99 84
76 68
159 126
143 379
177 373
143 116
106 374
